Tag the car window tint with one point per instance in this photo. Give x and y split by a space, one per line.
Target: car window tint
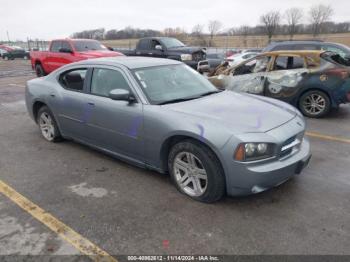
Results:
66 45
55 46
106 80
283 47
143 44
74 79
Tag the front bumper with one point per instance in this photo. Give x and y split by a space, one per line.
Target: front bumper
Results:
252 178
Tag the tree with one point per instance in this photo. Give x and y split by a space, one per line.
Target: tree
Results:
319 14
198 34
214 26
293 17
271 21
244 31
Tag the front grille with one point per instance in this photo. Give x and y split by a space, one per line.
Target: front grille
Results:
288 146
199 56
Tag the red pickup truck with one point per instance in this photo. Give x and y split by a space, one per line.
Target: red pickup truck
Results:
66 51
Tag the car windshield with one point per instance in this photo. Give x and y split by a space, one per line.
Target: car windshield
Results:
172 42
171 84
82 46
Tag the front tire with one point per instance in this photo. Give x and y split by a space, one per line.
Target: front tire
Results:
315 104
6 58
39 70
47 125
196 171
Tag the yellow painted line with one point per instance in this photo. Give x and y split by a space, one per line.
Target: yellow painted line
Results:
80 243
326 137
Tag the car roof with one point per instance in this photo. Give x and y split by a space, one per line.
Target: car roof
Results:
131 62
297 52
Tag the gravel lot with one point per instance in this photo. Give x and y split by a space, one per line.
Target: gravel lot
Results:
126 210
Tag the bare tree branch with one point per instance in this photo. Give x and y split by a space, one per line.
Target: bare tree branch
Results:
293 18
214 27
319 14
271 21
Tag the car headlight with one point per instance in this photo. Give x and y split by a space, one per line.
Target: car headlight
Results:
186 57
254 151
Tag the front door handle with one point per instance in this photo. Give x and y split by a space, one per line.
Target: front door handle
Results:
91 104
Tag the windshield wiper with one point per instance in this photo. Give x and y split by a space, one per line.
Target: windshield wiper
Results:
178 100
211 93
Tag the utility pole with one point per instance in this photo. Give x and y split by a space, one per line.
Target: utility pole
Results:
8 37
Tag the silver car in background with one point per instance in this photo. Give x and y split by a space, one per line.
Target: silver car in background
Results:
162 115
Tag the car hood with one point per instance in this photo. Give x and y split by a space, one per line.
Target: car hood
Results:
98 54
241 113
186 49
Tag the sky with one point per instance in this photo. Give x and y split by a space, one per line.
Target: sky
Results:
48 19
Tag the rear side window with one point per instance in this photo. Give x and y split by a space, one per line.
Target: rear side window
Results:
307 47
288 63
143 44
105 80
55 46
74 79
283 47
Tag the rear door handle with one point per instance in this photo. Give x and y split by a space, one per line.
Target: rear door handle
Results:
91 104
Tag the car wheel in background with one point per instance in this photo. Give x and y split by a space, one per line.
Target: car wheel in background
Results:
6 58
39 70
48 125
314 104
25 57
196 171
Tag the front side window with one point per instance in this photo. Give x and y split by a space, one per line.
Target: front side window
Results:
175 82
172 42
106 80
74 79
55 46
256 65
154 43
66 45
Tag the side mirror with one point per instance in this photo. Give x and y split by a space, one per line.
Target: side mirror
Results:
65 50
110 48
159 47
121 95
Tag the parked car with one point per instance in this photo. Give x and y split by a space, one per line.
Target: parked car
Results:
342 50
162 115
239 58
313 81
213 61
2 52
66 51
166 47
14 53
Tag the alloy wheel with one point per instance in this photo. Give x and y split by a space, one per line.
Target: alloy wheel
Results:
314 104
190 174
46 126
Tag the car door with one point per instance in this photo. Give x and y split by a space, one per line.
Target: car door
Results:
114 125
249 77
70 103
284 78
64 57
51 60
143 47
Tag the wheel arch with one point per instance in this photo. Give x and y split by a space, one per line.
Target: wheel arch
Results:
36 107
172 140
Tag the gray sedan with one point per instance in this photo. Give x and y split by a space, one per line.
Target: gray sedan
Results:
162 115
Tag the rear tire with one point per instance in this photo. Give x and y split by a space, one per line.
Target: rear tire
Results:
315 104
48 126
196 171
39 70
6 58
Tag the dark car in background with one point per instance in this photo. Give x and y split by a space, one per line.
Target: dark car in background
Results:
14 53
342 50
313 81
167 47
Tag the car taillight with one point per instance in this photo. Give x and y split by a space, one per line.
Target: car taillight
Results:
339 72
